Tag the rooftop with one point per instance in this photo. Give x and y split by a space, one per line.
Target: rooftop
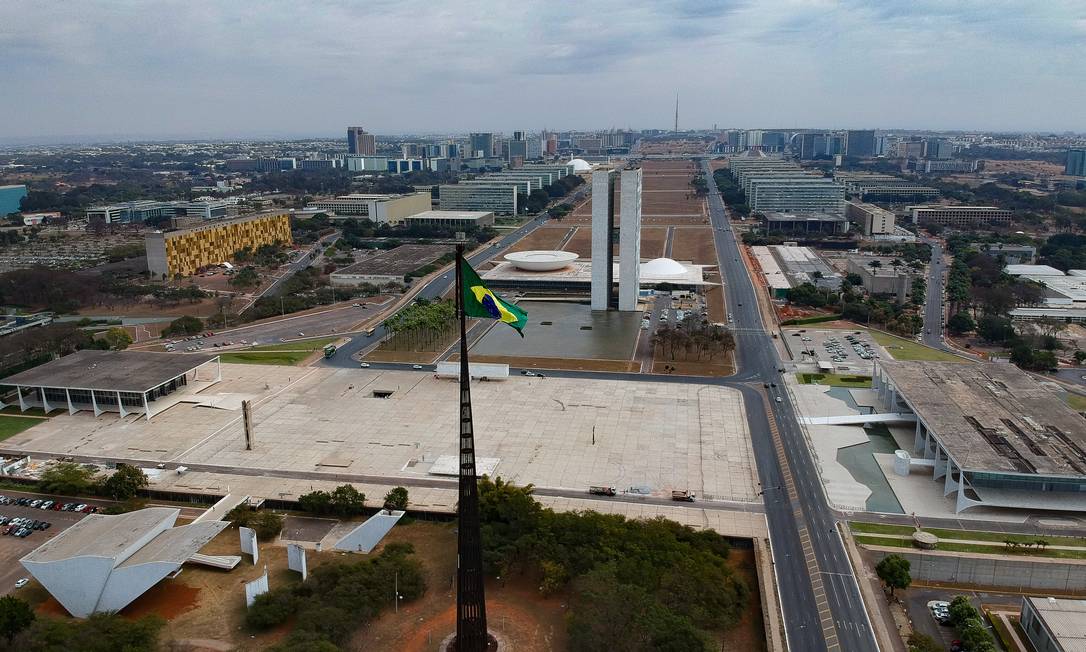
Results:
449 215
99 535
1032 270
124 371
1065 619
994 417
398 261
580 272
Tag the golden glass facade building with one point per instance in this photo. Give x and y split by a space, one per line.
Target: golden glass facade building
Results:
183 252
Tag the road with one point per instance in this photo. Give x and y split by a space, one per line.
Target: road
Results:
935 306
819 595
310 257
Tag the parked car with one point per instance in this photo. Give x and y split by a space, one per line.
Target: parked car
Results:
21 583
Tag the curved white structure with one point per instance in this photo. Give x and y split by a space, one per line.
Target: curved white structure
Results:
662 268
541 261
580 165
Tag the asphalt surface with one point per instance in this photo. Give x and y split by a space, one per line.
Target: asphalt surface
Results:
935 305
822 609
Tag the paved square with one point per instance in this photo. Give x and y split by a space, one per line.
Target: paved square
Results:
554 432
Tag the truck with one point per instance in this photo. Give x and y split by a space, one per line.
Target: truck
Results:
682 496
602 491
329 351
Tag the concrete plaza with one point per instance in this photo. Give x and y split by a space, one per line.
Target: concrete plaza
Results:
552 432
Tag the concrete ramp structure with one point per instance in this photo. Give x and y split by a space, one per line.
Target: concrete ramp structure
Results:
103 563
860 419
365 537
219 510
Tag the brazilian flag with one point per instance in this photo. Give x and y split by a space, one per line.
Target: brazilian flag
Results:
479 301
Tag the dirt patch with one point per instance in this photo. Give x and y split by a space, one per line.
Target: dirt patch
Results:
515 610
695 245
573 364
581 242
749 634
683 368
545 238
714 303
652 241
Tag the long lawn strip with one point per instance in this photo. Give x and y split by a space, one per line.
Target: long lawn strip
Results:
949 545
880 528
835 380
903 349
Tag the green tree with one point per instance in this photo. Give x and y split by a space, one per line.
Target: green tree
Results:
246 277
993 328
15 616
265 523
125 482
962 610
117 338
316 502
68 479
893 570
347 501
974 636
186 325
960 323
396 498
1080 357
271 608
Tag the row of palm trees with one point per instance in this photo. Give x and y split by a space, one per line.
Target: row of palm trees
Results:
421 326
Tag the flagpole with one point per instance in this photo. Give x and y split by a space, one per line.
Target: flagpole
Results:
471 629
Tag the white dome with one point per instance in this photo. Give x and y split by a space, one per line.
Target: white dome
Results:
541 261
662 268
580 165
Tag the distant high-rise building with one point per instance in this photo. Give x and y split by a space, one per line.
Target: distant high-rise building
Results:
938 148
860 143
1076 163
481 142
361 143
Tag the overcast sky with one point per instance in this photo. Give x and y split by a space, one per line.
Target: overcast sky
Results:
271 68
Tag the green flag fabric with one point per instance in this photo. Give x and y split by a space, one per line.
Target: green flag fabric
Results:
479 301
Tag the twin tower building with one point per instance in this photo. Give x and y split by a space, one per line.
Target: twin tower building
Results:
629 239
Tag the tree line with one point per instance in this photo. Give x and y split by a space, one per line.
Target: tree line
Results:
636 585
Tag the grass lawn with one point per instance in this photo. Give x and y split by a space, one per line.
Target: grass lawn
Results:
880 541
880 528
835 380
1077 401
903 349
284 353
10 426
1000 537
32 412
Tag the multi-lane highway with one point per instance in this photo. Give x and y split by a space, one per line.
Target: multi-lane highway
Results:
818 591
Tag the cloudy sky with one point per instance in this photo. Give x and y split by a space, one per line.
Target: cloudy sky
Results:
245 68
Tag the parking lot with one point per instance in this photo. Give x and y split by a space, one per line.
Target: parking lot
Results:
848 351
13 548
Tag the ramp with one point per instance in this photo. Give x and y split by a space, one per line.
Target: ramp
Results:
859 419
365 537
225 562
219 510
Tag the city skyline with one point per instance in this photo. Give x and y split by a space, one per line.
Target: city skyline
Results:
209 70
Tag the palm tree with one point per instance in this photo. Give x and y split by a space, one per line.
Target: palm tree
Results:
875 264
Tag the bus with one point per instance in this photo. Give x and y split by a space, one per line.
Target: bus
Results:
329 351
369 332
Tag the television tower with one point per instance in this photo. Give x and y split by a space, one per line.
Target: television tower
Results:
676 113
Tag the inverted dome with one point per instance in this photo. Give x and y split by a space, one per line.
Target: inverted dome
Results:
662 268
541 261
580 165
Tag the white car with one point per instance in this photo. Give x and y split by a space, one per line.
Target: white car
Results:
416 366
21 583
364 365
301 334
